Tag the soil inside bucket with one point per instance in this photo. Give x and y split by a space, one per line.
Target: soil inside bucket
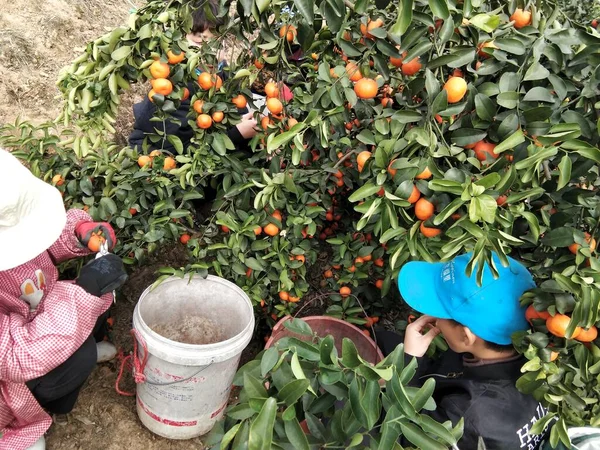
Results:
196 330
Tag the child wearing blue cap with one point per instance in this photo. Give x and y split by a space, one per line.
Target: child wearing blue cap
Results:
476 378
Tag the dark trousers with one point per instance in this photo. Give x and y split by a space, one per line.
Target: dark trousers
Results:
57 391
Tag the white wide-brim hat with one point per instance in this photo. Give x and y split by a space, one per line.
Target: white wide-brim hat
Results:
32 213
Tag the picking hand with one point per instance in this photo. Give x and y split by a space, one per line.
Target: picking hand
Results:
415 342
247 127
102 275
93 234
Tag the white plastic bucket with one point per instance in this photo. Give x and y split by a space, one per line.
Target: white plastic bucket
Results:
186 387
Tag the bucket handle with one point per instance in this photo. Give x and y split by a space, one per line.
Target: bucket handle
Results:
138 367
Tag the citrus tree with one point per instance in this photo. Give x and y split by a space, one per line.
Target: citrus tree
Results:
417 130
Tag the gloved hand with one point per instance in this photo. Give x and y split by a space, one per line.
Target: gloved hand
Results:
93 234
102 275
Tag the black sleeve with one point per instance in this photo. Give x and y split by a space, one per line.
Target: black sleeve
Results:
176 125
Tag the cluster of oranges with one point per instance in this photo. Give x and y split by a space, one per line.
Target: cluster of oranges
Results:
148 160
207 81
160 72
270 229
558 324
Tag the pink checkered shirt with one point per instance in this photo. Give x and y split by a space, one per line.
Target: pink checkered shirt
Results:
35 339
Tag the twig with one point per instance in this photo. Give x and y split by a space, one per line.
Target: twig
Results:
547 173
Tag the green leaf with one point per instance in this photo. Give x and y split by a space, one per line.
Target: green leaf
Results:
298 326
415 435
439 8
429 425
228 437
564 168
510 142
485 107
536 72
423 394
485 22
292 391
538 94
297 368
307 9
295 435
513 46
558 237
268 360
254 387
261 430
364 191
404 14
121 53
349 354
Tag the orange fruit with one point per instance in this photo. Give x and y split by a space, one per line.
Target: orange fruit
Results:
289 31
362 158
274 105
353 71
483 149
95 242
429 232
291 122
271 90
133 211
155 153
553 356
414 195
258 230
366 88
293 299
396 62
184 239
386 101
169 164
271 229
162 86
328 274
265 122
352 269
197 105
205 80
258 64
424 209
558 324
425 175
532 313
284 296
588 335
240 101
204 121
573 248
175 59
379 262
379 284
151 94
345 291
301 258
359 260
58 180
144 161
501 200
218 82
160 70
277 214
371 24
186 94
456 87
225 229
411 67
521 18
218 116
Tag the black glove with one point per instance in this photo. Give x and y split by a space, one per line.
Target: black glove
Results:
102 275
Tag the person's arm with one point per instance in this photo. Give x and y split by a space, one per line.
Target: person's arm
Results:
29 350
68 246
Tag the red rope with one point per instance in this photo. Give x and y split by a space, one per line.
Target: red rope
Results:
138 367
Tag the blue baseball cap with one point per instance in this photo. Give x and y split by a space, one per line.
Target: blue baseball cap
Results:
443 290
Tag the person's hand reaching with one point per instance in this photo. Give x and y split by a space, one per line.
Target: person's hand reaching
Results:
247 127
419 335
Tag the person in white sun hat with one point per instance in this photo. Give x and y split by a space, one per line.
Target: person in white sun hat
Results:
47 326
